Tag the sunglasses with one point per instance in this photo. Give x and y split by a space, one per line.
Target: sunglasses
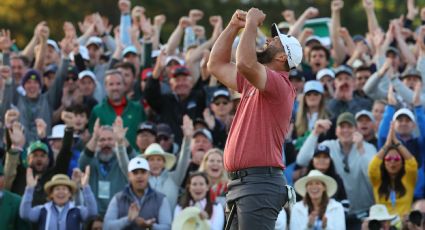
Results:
393 158
221 103
346 165
163 138
71 78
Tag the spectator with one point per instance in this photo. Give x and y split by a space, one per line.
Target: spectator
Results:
197 194
146 135
297 80
317 210
377 111
165 138
392 172
20 65
365 123
95 223
190 218
326 77
117 104
106 161
128 71
212 164
343 100
416 219
9 208
138 205
379 218
361 75
317 59
81 114
89 87
351 155
60 212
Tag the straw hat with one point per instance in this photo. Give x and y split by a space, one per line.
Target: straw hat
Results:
189 219
156 150
380 213
331 186
60 179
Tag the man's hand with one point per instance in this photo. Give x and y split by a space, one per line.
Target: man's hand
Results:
209 118
5 41
289 16
124 6
390 96
66 45
119 130
199 31
10 117
187 126
216 20
321 126
312 218
385 67
159 20
238 19
337 5
421 37
368 4
184 22
85 176
358 142
5 73
31 180
68 118
17 136
255 16
137 13
144 223
133 212
311 12
41 126
146 26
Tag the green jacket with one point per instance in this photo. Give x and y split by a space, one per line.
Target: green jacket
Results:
132 116
9 209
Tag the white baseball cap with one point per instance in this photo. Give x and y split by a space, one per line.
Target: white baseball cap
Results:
129 49
313 86
138 163
366 113
93 40
406 112
87 73
84 52
53 44
325 72
291 45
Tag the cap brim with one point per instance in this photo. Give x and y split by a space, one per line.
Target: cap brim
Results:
275 30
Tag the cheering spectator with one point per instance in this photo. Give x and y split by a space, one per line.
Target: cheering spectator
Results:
138 205
317 210
165 138
197 194
365 123
392 172
326 77
60 212
146 135
378 218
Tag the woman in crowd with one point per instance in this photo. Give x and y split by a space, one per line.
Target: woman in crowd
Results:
197 194
212 165
60 190
317 210
393 172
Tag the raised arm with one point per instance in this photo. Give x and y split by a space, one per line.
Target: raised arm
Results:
372 21
29 49
336 7
219 63
296 28
409 57
246 57
184 157
175 38
119 133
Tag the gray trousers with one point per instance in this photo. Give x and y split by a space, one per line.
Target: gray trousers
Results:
257 200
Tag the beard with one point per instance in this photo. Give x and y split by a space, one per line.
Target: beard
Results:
106 156
266 56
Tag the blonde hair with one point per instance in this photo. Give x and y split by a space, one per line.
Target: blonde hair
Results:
301 121
203 166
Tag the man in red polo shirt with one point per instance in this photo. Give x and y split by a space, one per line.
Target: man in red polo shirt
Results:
253 153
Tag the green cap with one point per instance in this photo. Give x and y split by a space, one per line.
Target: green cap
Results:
1 170
346 117
37 145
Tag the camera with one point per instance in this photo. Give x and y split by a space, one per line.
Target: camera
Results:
416 218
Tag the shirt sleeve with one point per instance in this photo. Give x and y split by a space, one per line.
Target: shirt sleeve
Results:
164 217
375 171
111 217
217 218
411 166
278 88
27 212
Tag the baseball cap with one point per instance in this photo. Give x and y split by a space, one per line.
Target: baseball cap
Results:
128 50
313 86
405 112
138 163
147 126
31 74
322 149
392 50
179 70
164 130
87 73
291 45
358 37
221 93
205 132
147 73
52 68
84 52
365 113
94 41
53 44
37 145
343 69
325 72
346 117
411 71
174 58
296 74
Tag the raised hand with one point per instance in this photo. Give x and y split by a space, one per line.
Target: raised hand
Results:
216 20
187 126
358 141
124 6
68 118
5 73
238 19
199 31
16 134
391 137
10 117
390 96
76 176
137 13
5 41
321 126
119 130
256 16
41 126
146 26
209 118
159 20
288 15
85 176
368 4
31 180
184 22
96 129
66 45
337 5
311 12
417 94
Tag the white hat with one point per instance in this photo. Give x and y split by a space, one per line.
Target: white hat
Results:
331 186
155 149
53 44
404 111
221 93
138 163
155 53
313 86
365 113
380 213
205 132
325 72
174 58
189 219
94 41
84 52
58 131
291 45
87 73
129 49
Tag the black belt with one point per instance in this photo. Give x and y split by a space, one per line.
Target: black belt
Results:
251 171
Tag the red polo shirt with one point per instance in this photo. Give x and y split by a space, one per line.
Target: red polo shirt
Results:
260 124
